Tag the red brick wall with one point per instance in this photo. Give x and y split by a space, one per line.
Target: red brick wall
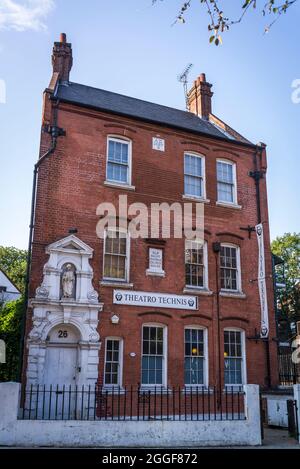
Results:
70 187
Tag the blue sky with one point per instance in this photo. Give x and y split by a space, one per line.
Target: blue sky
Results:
129 46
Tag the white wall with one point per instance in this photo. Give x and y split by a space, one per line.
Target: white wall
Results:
12 293
296 388
73 433
277 409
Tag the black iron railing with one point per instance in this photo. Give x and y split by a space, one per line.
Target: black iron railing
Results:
289 372
133 403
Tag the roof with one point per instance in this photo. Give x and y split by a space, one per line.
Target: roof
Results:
127 106
9 280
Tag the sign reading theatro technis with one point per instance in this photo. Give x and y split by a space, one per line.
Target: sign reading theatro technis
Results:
264 327
162 300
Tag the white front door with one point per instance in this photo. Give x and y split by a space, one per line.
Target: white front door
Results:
61 365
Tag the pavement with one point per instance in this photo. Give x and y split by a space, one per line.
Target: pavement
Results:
278 439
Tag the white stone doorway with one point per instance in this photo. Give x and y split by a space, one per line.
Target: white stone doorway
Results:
62 363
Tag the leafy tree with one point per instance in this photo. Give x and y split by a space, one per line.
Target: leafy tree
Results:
13 263
287 247
10 332
219 22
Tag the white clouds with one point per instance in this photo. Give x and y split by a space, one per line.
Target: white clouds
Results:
25 14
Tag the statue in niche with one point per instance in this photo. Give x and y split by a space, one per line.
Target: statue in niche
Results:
68 281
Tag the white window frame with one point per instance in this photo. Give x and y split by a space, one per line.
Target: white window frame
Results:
203 177
205 265
233 164
238 268
120 368
205 358
120 139
165 355
243 348
127 260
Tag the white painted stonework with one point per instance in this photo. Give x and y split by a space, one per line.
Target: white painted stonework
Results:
63 344
127 433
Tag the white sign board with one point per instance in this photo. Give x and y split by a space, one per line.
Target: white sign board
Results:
158 144
156 300
155 261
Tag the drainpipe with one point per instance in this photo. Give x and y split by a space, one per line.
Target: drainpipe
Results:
54 132
216 250
258 174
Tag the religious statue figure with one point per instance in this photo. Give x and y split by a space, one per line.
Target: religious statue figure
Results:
68 282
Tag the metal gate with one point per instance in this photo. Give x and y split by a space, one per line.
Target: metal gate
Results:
293 424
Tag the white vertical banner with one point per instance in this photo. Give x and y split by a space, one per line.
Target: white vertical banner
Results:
264 323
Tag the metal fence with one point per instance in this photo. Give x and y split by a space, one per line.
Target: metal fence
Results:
289 372
133 403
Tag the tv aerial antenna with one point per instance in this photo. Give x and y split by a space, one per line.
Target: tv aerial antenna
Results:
183 78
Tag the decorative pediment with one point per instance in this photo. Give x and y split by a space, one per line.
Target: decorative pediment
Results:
68 275
70 243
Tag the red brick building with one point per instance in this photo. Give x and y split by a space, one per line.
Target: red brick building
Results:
153 311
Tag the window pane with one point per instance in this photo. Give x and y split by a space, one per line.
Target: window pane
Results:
194 356
152 360
112 362
233 357
194 263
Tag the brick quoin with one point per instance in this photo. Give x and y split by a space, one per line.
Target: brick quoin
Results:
71 186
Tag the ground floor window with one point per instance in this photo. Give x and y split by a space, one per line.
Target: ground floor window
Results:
233 357
153 355
112 367
194 356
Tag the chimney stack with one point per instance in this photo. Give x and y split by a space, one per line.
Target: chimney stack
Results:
199 97
62 59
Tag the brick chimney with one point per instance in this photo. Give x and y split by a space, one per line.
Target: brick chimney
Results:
199 97
62 59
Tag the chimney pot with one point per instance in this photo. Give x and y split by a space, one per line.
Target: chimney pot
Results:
63 38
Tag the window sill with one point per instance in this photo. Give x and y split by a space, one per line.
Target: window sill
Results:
106 389
154 389
119 185
229 205
155 274
196 389
112 283
196 199
228 294
198 291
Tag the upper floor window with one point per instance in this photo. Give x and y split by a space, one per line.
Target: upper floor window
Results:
116 249
226 182
195 263
230 267
194 356
118 160
153 355
113 362
234 357
194 175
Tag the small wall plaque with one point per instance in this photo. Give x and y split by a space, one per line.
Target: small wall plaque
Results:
155 262
158 144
